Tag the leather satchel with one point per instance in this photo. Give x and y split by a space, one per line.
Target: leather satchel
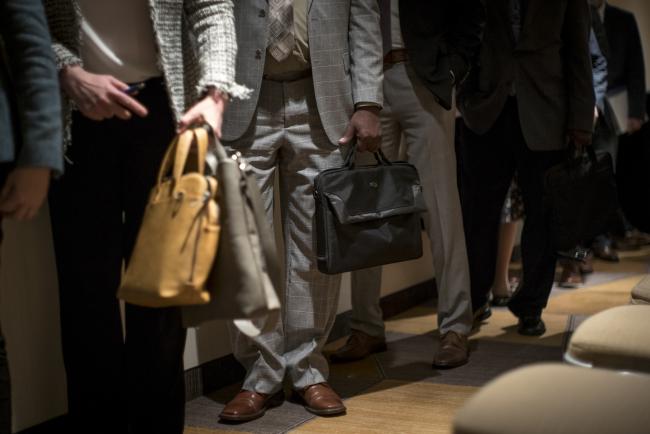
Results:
246 272
177 242
580 194
367 216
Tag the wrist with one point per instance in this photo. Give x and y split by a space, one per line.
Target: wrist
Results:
368 106
217 96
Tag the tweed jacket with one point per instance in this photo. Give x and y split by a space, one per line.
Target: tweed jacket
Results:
30 112
549 65
195 38
346 60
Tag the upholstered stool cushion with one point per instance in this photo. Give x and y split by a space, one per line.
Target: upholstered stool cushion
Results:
558 399
617 338
641 292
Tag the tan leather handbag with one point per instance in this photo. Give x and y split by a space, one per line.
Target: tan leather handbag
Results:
178 239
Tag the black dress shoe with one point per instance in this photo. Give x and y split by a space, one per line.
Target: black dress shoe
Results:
481 314
531 325
606 253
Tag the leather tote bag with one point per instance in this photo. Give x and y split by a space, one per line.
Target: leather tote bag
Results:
177 242
368 215
246 272
580 194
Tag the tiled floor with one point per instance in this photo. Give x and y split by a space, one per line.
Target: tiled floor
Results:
398 391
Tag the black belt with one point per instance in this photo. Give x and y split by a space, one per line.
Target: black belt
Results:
290 76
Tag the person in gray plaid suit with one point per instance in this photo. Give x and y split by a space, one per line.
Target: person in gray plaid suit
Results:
316 70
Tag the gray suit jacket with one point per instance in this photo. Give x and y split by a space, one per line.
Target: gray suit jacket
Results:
346 59
550 67
30 109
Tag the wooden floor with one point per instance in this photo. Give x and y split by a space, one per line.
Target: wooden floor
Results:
398 391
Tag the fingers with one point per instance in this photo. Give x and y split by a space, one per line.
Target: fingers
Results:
9 205
348 135
205 111
125 101
191 117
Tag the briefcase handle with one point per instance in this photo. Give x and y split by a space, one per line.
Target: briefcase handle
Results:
378 154
574 156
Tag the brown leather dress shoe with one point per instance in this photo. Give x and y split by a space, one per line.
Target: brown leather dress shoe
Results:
453 351
359 346
571 276
321 400
247 405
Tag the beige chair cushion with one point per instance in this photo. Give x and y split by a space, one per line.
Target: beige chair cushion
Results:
641 292
558 399
618 338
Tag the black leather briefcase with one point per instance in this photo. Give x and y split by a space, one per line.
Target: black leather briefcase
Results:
581 196
367 215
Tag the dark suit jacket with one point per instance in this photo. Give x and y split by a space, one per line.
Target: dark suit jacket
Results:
442 36
30 108
550 67
626 67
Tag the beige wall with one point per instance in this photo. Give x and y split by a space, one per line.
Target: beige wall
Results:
29 315
641 10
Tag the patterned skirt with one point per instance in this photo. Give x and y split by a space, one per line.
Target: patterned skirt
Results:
513 207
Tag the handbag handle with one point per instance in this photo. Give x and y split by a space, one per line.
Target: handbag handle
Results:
175 159
378 154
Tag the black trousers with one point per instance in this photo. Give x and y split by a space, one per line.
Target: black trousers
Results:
5 383
487 164
115 385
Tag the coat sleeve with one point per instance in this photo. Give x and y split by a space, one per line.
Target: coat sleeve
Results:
577 66
366 52
63 17
213 24
34 79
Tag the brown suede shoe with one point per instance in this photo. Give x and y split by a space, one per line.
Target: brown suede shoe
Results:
247 405
359 346
321 400
453 351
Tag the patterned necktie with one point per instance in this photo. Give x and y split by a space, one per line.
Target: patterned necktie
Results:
281 37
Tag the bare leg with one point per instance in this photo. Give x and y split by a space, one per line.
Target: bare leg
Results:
507 235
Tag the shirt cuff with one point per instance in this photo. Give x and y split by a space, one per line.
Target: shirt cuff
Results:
364 104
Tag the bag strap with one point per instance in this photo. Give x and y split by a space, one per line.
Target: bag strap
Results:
378 154
171 156
202 140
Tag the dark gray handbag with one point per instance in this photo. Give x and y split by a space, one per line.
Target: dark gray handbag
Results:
367 215
246 274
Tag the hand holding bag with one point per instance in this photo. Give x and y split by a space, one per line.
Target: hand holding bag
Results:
580 194
246 272
177 242
367 216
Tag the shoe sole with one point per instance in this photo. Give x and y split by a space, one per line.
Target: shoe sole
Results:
327 412
536 333
274 402
450 365
570 285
